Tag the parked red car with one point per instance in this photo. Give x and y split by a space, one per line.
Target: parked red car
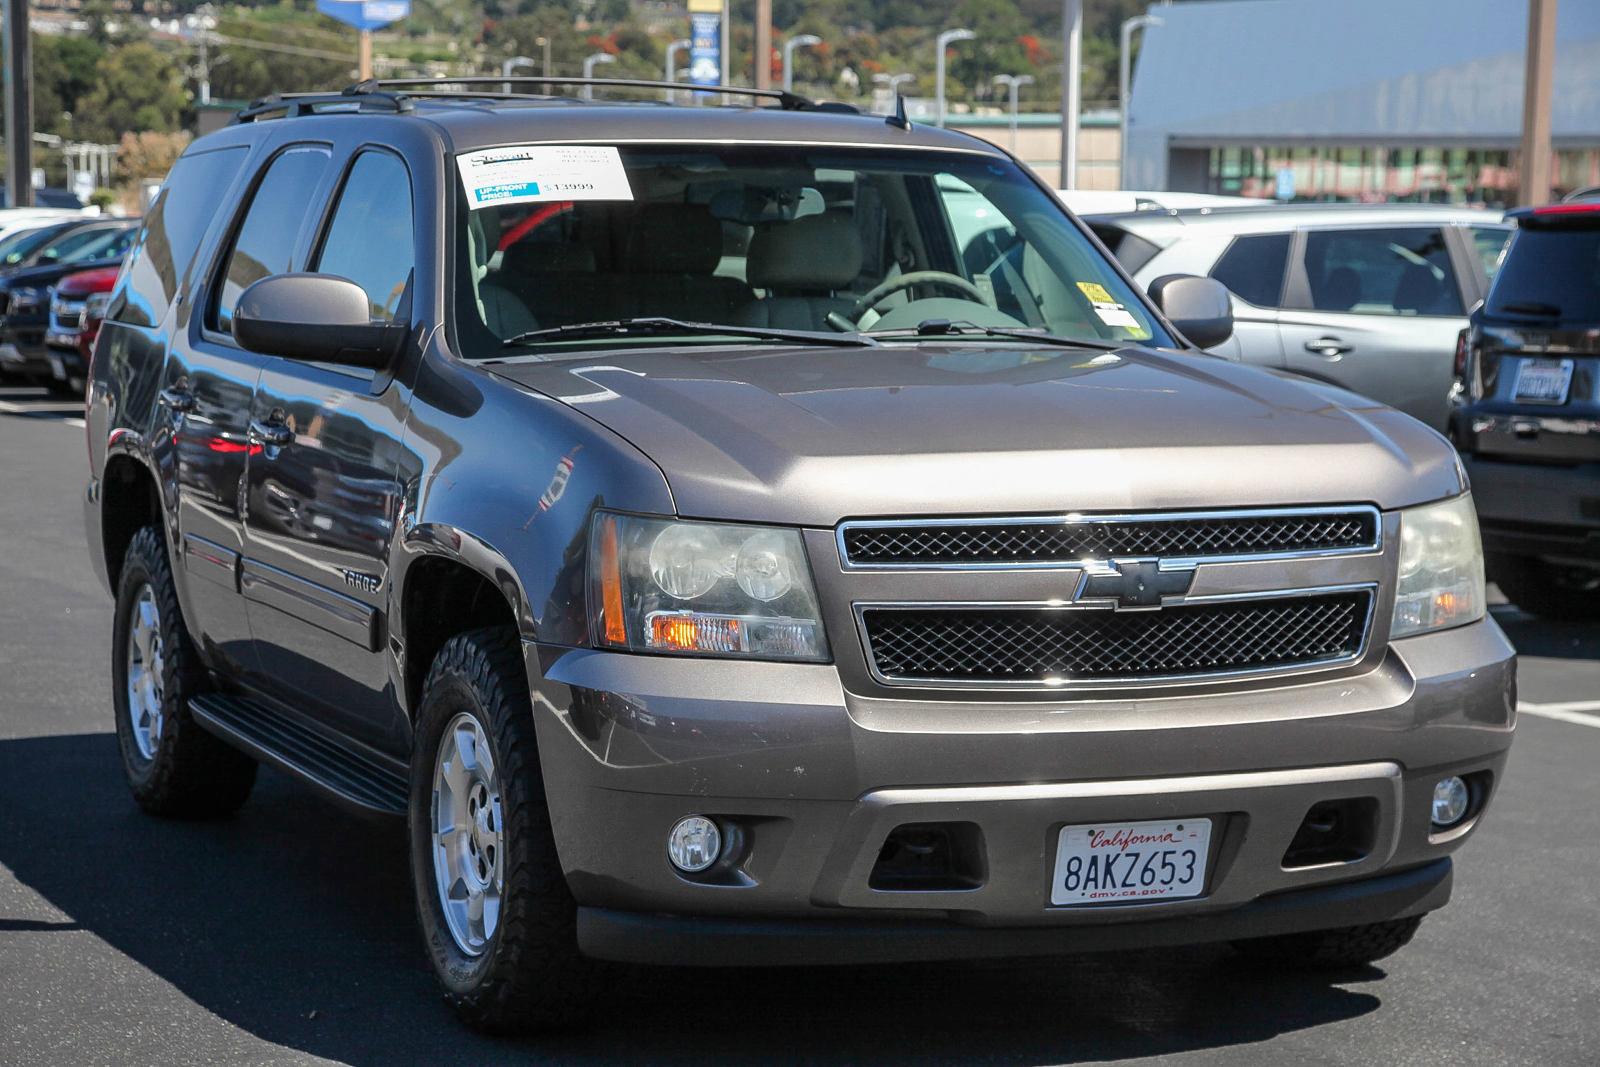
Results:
76 311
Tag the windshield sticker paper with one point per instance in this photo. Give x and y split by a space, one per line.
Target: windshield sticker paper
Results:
525 174
1110 312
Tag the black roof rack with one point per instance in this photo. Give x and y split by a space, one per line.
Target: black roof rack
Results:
397 95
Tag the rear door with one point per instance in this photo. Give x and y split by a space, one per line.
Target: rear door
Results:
322 493
1376 310
209 384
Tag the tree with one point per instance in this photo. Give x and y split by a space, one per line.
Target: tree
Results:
64 71
137 87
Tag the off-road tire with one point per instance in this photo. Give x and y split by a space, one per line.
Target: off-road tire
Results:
191 774
1344 947
1543 589
530 975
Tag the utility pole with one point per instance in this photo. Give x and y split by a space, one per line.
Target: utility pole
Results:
1071 77
763 44
364 54
1536 91
19 106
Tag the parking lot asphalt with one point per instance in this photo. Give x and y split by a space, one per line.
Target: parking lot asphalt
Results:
286 934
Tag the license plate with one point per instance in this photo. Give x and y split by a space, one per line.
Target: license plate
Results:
10 353
1104 863
1543 381
58 369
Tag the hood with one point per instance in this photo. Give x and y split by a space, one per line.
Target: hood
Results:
19 277
812 436
93 280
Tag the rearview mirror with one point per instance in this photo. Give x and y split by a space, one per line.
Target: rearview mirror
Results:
318 318
1200 308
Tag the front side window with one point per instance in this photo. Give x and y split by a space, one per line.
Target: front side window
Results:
823 240
1390 271
1252 268
370 240
266 239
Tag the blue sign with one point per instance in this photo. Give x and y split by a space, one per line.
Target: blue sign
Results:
1284 185
365 14
705 47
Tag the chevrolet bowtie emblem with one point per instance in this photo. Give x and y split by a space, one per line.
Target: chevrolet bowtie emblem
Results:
1132 583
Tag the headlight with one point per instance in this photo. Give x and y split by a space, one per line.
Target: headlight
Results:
702 588
28 298
95 306
1441 568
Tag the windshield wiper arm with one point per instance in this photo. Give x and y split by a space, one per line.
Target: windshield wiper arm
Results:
963 328
659 325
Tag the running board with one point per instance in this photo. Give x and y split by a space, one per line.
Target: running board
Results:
359 778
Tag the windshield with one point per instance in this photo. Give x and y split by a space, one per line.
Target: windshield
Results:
780 238
1551 273
19 246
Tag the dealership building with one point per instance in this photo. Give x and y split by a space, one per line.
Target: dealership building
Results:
1416 100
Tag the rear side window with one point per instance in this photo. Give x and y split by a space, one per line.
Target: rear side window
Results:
1131 250
1252 268
266 240
370 240
1552 274
1391 271
1488 242
172 231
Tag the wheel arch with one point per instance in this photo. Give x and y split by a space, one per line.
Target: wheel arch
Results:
130 499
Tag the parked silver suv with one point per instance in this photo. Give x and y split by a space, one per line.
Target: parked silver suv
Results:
1367 297
717 561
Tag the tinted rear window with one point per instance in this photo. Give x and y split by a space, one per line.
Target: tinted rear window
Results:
1252 268
172 232
1131 250
1549 273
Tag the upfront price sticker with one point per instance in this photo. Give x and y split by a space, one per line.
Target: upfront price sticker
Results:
524 174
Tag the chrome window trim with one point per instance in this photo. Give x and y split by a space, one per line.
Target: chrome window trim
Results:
1091 518
1145 681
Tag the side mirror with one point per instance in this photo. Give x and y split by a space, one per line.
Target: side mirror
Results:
318 318
1199 307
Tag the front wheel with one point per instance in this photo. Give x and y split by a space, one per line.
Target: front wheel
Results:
1569 594
1344 947
497 917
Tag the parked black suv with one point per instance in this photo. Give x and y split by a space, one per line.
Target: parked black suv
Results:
1526 412
722 551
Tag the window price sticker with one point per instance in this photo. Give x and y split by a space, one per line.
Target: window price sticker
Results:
524 174
1110 312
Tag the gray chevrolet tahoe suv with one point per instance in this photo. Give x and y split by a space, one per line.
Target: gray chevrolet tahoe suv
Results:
718 563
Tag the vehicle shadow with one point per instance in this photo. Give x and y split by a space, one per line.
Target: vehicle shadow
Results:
293 921
1534 636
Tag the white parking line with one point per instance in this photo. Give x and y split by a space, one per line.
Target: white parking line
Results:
1577 712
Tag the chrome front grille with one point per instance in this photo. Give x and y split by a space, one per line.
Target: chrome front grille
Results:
1053 541
1027 645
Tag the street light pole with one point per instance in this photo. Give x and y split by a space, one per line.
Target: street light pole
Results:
1013 82
672 54
893 81
545 43
509 65
589 63
1125 86
1537 78
1071 77
19 106
943 42
799 40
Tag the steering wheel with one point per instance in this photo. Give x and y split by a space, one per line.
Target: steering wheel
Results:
917 277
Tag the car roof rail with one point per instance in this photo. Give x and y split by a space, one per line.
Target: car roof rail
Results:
363 96
787 100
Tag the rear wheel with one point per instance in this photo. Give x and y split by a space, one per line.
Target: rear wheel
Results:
1346 946
173 766
1548 590
498 919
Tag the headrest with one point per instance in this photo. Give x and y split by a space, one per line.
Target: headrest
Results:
1417 290
673 239
816 253
1340 290
545 257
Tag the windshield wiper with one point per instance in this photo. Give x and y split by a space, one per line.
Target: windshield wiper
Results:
661 326
1530 307
963 328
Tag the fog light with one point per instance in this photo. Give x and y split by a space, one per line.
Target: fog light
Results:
695 843
1450 800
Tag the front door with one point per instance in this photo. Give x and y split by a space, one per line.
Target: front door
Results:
322 490
1377 311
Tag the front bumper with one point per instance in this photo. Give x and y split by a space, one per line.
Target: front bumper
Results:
814 778
22 350
1532 509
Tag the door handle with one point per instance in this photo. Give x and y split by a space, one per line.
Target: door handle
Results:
175 398
275 434
1327 347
